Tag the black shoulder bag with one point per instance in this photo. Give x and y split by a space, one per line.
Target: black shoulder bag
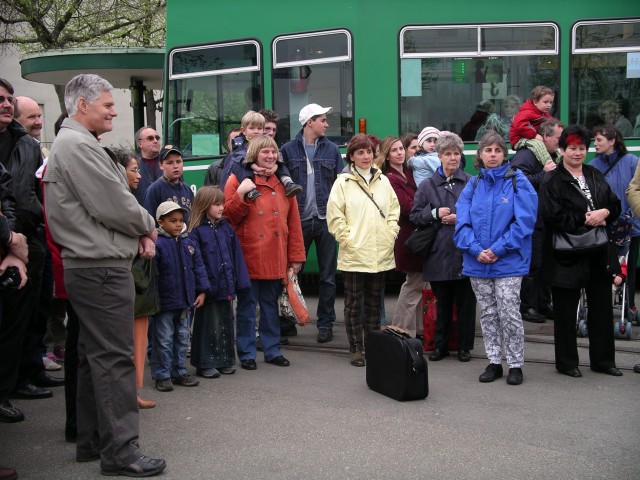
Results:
421 239
585 240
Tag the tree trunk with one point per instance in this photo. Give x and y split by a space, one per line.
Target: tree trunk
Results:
60 92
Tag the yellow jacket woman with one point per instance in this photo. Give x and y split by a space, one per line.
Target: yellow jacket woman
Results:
362 215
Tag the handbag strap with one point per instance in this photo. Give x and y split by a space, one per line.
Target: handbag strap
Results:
589 201
612 165
370 197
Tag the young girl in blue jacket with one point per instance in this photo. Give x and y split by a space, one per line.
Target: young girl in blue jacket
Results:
212 345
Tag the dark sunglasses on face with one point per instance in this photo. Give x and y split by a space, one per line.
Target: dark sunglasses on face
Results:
151 138
11 100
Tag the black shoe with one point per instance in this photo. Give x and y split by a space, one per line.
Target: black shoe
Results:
571 372
464 355
70 434
492 372
290 331
89 458
43 379
613 371
325 335
186 380
284 341
164 385
515 376
636 368
546 311
31 392
253 194
280 361
258 344
143 467
208 372
438 355
292 189
9 413
248 364
532 315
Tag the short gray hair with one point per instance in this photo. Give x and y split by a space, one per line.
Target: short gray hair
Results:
449 141
88 86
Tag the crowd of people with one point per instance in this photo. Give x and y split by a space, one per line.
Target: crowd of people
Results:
110 261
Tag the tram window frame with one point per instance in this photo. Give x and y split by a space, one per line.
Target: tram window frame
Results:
211 89
287 84
439 70
589 104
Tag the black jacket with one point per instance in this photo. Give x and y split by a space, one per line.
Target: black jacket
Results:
22 164
563 210
7 206
526 161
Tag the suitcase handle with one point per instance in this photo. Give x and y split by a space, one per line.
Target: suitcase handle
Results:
419 364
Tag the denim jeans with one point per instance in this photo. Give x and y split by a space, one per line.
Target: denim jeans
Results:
315 230
170 338
265 293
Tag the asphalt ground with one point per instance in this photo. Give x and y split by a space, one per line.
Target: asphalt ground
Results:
318 420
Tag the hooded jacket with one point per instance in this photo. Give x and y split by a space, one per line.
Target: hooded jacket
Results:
181 272
91 213
223 259
366 239
491 213
526 122
22 163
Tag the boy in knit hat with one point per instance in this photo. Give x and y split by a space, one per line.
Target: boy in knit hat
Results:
425 163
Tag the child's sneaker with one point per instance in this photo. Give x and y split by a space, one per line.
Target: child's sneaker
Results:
164 385
186 381
253 194
292 189
49 363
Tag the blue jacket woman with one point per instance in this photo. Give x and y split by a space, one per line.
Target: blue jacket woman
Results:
496 214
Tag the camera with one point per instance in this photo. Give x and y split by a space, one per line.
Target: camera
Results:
10 278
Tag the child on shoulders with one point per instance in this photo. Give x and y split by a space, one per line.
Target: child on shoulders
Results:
425 163
182 283
212 346
253 125
525 125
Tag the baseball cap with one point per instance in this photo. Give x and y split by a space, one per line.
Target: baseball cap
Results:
312 110
166 150
167 207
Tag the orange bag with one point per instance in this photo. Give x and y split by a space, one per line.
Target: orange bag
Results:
291 302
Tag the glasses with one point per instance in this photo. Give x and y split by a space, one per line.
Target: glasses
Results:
134 170
11 100
151 138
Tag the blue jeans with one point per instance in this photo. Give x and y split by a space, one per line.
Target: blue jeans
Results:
265 293
170 338
315 230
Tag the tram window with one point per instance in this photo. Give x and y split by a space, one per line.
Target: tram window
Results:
210 88
314 67
474 77
605 75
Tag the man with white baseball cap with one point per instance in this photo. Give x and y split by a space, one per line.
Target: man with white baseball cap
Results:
310 152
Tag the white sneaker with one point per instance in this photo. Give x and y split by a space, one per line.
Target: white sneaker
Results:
50 365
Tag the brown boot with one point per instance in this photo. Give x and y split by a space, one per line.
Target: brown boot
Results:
142 403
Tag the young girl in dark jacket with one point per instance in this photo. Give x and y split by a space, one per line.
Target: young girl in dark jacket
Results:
212 346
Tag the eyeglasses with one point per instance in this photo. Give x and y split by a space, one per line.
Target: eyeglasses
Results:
11 100
151 138
134 170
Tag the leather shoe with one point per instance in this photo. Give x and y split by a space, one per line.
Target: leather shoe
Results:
613 371
31 392
438 355
143 467
8 473
492 372
532 315
280 361
357 359
571 372
515 376
464 355
43 379
325 335
9 413
248 364
636 368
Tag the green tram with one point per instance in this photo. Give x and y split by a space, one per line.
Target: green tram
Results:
388 68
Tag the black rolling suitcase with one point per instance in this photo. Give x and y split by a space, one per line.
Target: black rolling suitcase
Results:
396 366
